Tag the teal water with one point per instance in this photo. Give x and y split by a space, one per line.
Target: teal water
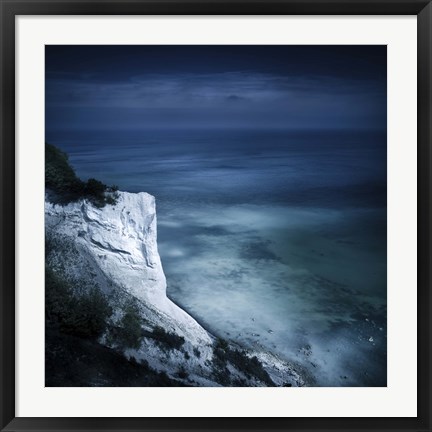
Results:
273 239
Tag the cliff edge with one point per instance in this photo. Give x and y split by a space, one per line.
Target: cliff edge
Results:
115 247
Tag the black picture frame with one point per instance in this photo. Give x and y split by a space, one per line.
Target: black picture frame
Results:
9 9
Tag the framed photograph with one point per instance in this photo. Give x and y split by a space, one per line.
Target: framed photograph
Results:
215 216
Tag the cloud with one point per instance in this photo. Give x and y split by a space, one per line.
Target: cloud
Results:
228 99
235 98
166 90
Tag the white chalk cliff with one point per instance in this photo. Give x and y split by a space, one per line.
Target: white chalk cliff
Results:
117 246
122 239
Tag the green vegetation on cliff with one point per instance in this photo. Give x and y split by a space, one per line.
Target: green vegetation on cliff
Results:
76 317
251 367
84 315
61 179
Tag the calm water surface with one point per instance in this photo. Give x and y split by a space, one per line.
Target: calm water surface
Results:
273 239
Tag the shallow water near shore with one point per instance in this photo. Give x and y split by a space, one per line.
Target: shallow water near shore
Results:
273 239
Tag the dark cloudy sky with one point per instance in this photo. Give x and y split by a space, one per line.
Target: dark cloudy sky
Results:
139 87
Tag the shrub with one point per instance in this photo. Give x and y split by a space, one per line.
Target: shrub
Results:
94 188
182 373
169 340
239 382
222 344
222 376
83 315
250 366
129 334
60 177
111 199
113 188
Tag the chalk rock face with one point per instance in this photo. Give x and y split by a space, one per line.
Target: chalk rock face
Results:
121 240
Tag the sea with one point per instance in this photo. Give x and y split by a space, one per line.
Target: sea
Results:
273 239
